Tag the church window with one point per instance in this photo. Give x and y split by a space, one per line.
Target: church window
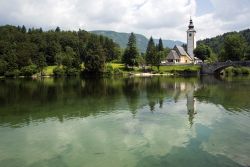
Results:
190 34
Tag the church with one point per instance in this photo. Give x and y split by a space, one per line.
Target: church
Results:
178 55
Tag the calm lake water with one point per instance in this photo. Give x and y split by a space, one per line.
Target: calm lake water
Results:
125 122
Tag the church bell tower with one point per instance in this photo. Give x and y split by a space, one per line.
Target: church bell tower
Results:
191 42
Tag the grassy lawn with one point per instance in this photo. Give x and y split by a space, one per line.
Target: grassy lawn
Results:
122 67
116 65
177 68
163 69
48 70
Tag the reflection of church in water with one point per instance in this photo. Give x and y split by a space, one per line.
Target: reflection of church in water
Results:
191 106
187 90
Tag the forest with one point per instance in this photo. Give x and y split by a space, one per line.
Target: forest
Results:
27 51
229 46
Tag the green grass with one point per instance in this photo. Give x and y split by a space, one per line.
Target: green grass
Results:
177 68
48 70
163 69
116 65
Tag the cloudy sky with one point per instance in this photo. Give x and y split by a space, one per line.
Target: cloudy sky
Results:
167 19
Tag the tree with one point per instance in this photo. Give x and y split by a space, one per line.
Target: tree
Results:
234 46
58 29
58 58
3 67
11 60
109 48
94 64
51 50
203 52
23 29
94 61
25 52
151 52
68 58
130 54
21 51
41 62
247 53
160 46
140 60
159 56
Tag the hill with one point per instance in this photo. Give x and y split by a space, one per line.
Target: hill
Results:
122 39
169 43
216 43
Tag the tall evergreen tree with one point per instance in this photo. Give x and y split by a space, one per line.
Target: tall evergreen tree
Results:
58 29
151 52
23 29
130 54
160 46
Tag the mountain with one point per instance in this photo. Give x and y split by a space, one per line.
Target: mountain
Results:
142 42
169 43
122 39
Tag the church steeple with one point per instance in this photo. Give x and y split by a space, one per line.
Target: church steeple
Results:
191 25
191 42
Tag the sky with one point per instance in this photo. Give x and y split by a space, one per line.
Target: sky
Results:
167 19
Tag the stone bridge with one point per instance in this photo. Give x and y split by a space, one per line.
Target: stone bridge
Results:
216 68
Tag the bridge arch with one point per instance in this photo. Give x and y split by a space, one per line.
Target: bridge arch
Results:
216 68
219 69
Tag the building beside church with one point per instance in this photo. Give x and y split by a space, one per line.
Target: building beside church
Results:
178 55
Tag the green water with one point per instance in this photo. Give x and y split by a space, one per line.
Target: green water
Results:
125 122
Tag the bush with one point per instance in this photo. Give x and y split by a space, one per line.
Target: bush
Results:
28 70
109 70
244 70
58 71
3 67
72 72
236 71
13 73
117 71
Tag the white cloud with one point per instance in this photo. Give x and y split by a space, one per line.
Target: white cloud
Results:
161 18
231 15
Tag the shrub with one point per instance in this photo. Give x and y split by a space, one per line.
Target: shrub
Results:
109 70
244 70
28 70
3 67
72 72
117 71
58 71
236 71
13 73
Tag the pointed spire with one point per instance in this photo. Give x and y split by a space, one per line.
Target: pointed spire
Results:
191 25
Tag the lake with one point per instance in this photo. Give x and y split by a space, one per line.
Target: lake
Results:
125 122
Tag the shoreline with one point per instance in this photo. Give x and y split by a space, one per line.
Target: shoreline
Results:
145 74
151 74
